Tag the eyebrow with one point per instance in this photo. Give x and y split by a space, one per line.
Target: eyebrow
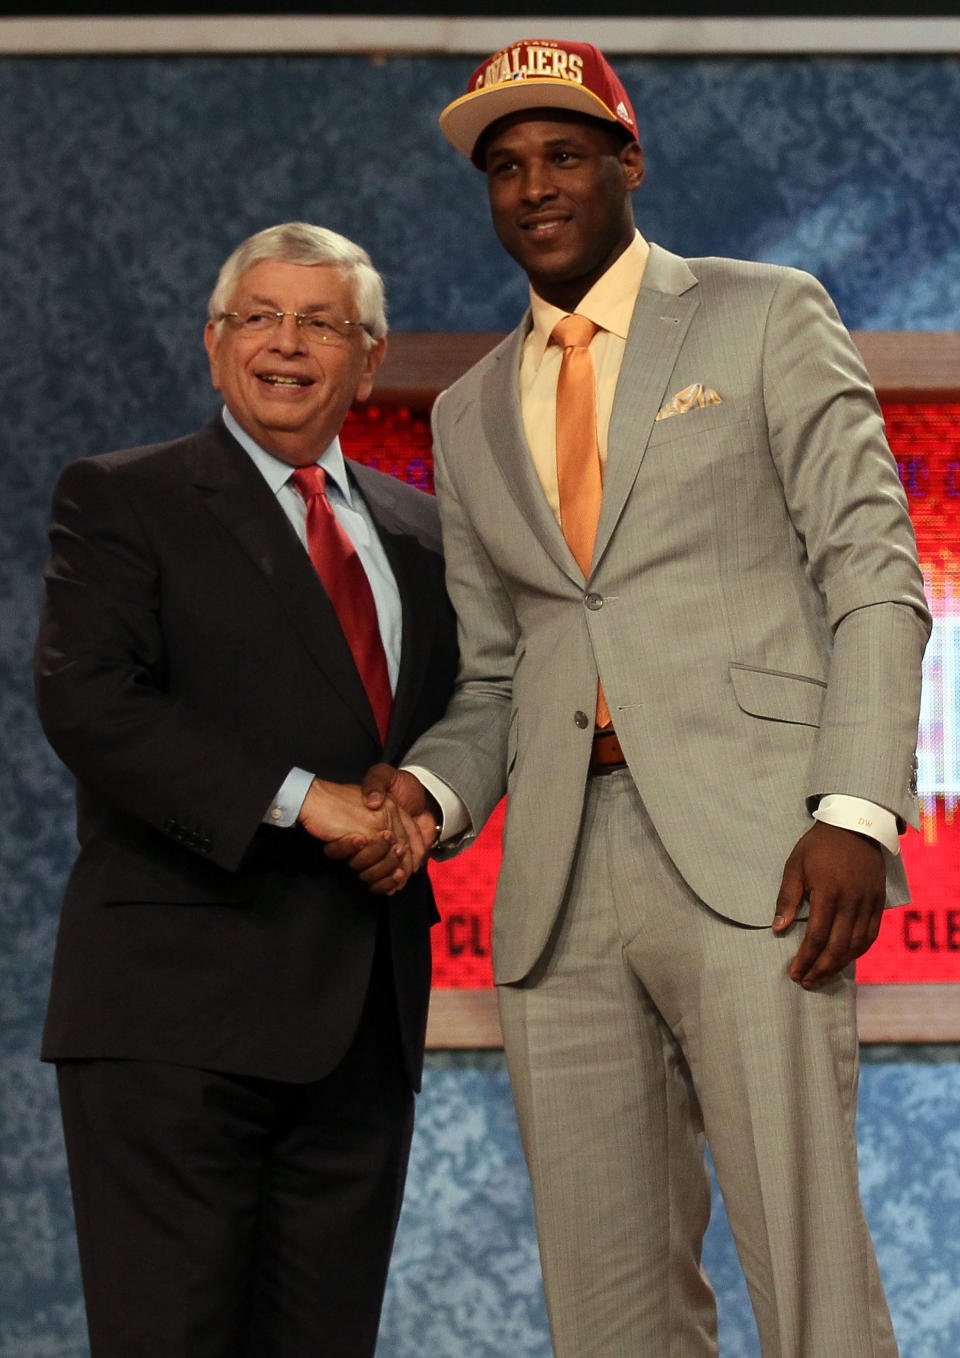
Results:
271 303
552 144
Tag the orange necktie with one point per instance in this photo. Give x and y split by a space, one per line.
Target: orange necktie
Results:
343 577
579 475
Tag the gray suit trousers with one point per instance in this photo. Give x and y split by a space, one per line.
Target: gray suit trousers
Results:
650 1024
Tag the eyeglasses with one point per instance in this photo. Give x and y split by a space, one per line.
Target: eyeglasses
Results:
316 326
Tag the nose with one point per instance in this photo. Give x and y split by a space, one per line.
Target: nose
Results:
537 185
288 337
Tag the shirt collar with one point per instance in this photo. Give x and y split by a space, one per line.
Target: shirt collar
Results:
609 303
277 473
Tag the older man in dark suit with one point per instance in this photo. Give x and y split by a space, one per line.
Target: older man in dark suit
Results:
236 624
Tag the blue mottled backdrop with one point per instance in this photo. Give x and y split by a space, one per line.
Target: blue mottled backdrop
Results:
125 182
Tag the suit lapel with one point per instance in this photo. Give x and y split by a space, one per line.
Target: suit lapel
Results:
503 430
239 498
665 306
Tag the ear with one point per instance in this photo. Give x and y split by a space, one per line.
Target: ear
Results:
211 340
631 158
371 362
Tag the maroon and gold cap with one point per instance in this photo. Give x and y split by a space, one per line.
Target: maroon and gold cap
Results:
536 73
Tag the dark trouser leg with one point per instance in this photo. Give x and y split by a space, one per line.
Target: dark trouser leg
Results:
221 1215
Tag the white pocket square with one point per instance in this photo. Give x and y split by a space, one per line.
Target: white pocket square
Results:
691 398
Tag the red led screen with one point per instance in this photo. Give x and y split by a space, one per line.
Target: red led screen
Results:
919 943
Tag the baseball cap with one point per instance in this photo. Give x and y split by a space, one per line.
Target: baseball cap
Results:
536 73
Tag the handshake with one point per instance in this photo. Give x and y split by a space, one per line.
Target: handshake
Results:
382 829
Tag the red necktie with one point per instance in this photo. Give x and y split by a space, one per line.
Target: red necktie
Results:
341 572
579 475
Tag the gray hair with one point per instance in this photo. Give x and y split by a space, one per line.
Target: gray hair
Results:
302 243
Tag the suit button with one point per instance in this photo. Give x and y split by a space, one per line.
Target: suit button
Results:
582 720
593 601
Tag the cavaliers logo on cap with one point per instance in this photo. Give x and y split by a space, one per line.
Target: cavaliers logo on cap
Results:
529 61
536 73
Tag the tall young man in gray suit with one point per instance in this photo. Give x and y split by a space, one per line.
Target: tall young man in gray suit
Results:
237 1023
683 894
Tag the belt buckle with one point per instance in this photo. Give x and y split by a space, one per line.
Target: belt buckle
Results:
607 753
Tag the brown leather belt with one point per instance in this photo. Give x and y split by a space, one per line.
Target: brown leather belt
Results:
606 753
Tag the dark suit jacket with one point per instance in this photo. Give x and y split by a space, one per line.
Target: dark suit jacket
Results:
188 658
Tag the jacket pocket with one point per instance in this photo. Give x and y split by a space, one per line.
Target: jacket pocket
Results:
777 696
700 422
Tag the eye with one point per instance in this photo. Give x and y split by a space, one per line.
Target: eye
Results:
317 326
259 320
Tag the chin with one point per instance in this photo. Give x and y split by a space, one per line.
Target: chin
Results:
559 272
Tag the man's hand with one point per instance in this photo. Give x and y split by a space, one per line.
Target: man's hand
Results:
382 842
383 780
843 876
385 786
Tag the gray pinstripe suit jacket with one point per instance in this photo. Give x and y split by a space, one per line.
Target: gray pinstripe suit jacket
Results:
755 607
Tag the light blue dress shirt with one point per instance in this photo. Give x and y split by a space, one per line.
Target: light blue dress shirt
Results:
355 519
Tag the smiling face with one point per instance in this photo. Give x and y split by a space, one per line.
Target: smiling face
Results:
559 189
291 394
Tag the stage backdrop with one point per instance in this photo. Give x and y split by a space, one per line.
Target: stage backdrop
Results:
126 182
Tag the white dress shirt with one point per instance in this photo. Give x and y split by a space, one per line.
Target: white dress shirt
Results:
355 519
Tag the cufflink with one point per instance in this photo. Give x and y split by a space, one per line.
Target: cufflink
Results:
433 806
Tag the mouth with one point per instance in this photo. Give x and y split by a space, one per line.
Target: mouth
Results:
285 380
544 227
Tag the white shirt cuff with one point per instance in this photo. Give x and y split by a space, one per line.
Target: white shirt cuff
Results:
853 813
455 818
285 807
